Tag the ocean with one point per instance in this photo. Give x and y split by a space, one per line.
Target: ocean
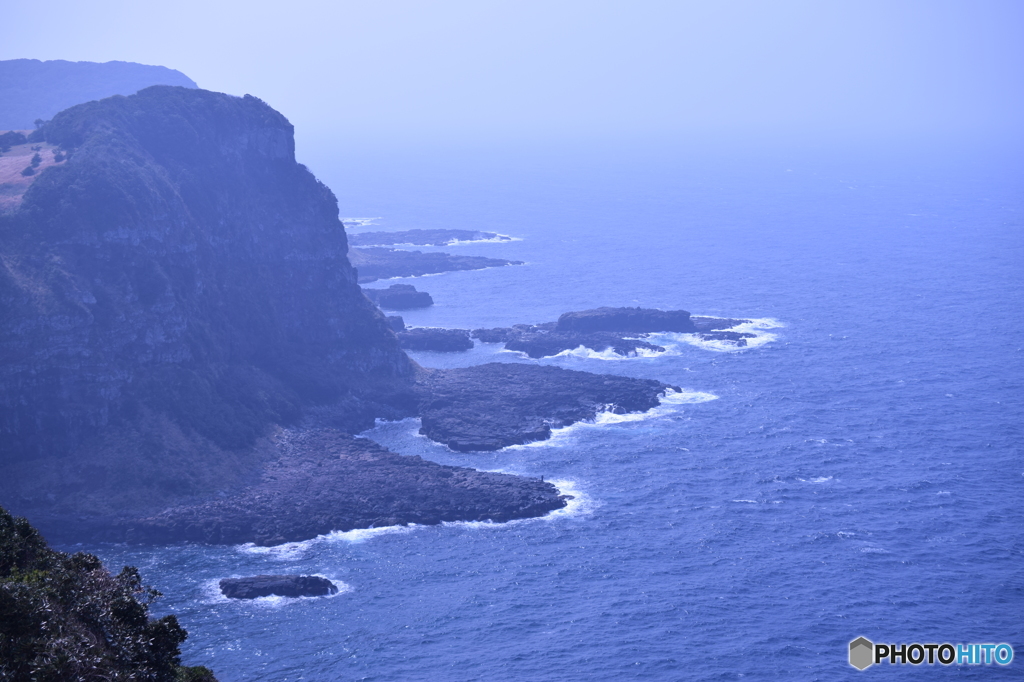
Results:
857 471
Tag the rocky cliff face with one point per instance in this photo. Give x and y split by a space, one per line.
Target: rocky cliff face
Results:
178 285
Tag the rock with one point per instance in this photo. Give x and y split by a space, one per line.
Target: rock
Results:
396 322
422 237
435 339
620 330
487 407
399 297
324 481
279 585
378 263
626 320
546 344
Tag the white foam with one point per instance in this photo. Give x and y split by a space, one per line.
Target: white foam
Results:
607 354
498 238
758 327
669 402
294 550
581 504
819 479
359 222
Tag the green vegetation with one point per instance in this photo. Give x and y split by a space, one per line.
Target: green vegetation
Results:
10 139
64 617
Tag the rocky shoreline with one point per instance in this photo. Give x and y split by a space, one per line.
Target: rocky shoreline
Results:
492 406
327 481
375 263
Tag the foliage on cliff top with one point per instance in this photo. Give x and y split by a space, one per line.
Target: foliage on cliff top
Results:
63 617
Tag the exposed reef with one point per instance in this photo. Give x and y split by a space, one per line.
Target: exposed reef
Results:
423 237
326 481
621 330
257 586
492 406
435 339
399 297
379 263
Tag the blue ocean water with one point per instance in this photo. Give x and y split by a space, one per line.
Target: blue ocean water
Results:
857 473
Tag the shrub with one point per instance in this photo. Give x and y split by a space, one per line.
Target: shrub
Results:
64 617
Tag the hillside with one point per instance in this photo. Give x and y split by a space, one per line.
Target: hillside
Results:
31 89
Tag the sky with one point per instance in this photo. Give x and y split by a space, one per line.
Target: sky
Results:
521 69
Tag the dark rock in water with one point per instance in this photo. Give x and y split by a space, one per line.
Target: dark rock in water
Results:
278 585
546 344
626 320
492 406
436 339
396 322
378 263
327 481
399 297
620 330
422 237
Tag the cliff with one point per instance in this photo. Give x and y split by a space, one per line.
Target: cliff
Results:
31 89
174 288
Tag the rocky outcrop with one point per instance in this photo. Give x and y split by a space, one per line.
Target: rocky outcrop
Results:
169 294
625 320
378 263
326 481
396 323
423 237
399 297
492 406
621 330
277 585
180 261
435 339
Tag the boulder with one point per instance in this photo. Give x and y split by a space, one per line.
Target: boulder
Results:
279 585
399 297
436 339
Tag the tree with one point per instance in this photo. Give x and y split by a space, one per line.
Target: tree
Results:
64 617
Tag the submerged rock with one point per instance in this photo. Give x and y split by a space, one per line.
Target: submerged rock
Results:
399 297
277 585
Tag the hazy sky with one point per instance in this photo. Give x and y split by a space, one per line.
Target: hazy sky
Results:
563 67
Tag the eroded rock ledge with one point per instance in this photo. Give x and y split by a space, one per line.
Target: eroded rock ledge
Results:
327 481
376 263
488 407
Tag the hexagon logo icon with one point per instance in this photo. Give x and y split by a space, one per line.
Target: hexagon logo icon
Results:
862 653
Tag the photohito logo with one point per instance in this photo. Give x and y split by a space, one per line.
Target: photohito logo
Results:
864 653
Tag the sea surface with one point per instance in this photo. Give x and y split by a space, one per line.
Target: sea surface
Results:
857 471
